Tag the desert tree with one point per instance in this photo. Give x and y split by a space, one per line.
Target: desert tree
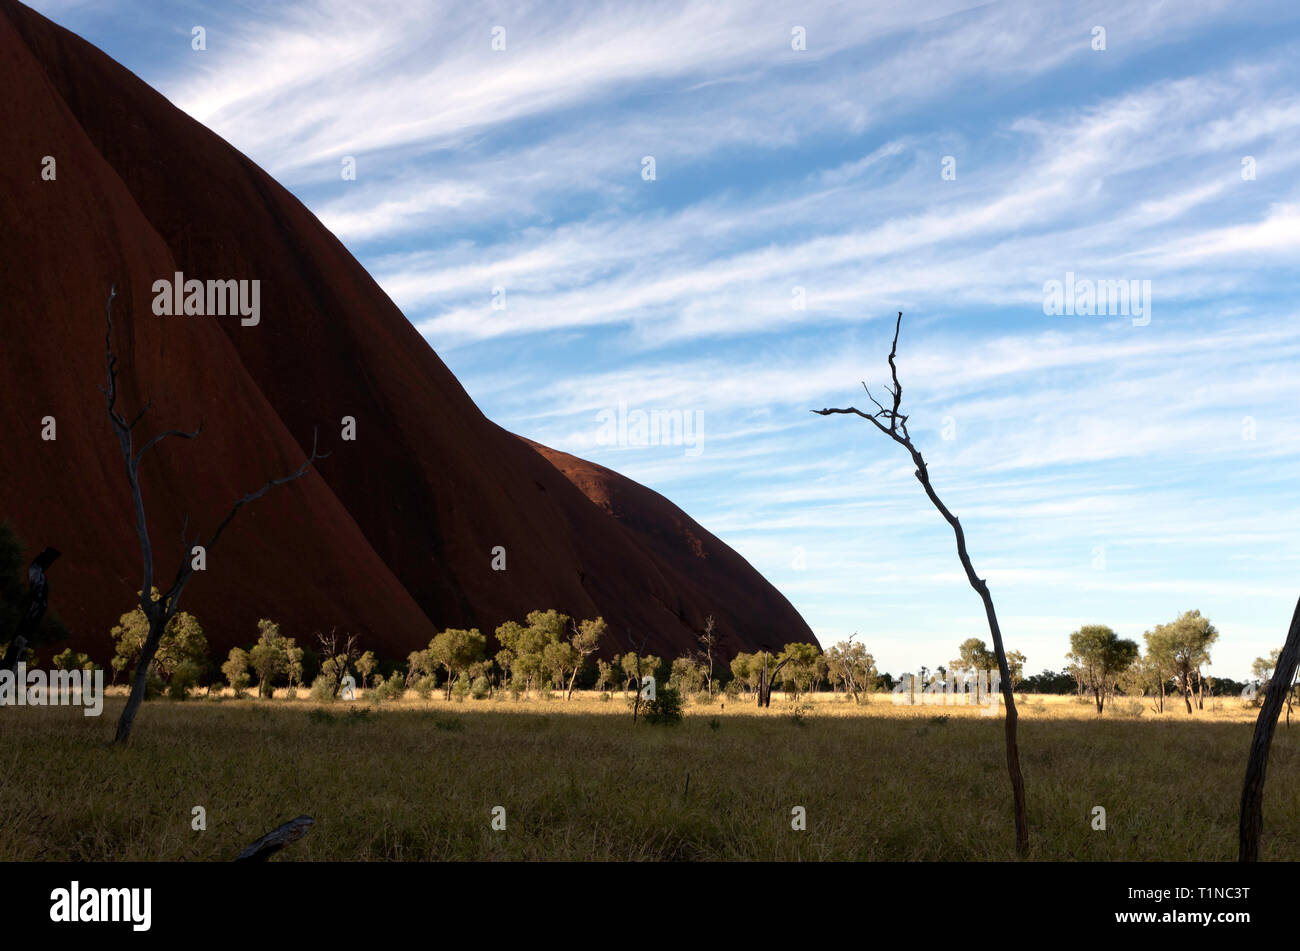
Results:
419 665
973 656
637 665
455 650
1016 664
742 670
1102 657
269 656
336 657
535 648
851 665
1182 647
235 670
1146 677
604 674
159 612
1261 668
182 642
805 667
367 664
1252 792
293 657
584 642
687 675
893 424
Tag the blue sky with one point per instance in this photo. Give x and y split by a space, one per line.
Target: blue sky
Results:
1107 469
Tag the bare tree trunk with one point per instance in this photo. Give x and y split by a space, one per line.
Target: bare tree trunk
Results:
140 680
159 612
1252 791
897 431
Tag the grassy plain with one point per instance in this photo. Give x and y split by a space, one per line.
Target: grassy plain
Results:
418 780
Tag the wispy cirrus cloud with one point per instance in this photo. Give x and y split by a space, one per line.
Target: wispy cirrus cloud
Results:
1105 471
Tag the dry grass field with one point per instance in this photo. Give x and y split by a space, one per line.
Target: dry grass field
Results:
418 780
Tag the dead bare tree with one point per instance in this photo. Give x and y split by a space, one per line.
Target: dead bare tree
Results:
159 613
708 641
335 660
1252 791
894 425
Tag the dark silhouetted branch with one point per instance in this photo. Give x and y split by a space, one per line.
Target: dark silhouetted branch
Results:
893 424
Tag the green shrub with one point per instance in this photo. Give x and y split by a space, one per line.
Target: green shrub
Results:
666 708
460 690
322 689
184 677
425 685
479 689
390 690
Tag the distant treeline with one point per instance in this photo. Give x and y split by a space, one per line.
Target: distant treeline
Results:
549 651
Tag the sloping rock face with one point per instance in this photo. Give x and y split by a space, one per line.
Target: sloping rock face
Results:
393 535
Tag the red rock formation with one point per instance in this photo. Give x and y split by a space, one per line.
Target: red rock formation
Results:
393 536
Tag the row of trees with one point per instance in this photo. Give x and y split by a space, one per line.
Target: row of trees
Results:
549 650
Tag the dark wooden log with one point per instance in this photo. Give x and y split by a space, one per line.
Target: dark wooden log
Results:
34 604
1252 791
276 839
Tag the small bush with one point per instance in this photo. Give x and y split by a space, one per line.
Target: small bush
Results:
460 690
479 689
183 680
322 689
424 686
1126 707
665 709
390 690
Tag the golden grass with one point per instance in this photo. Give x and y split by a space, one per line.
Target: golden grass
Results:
417 780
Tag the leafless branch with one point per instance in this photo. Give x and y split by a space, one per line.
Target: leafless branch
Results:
160 612
161 436
893 423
